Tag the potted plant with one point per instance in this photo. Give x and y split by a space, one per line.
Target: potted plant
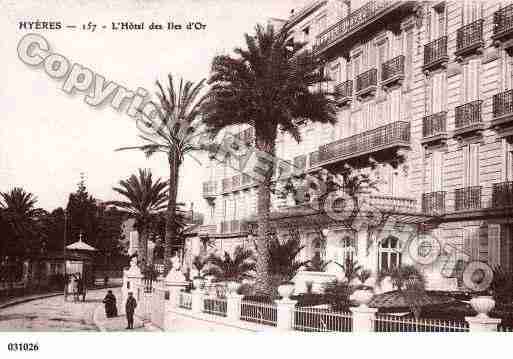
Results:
199 263
232 269
363 293
283 265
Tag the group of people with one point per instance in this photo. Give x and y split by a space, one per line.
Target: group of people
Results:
111 309
77 286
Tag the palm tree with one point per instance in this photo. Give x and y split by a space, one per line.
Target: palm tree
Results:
269 86
232 268
22 215
145 198
176 136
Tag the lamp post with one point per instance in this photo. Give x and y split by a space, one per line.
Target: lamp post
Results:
64 253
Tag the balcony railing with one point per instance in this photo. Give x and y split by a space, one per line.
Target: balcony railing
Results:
467 198
433 203
366 80
503 103
209 189
468 114
469 37
503 22
397 133
502 194
435 52
226 184
435 124
225 226
235 226
393 69
393 204
344 90
313 158
351 22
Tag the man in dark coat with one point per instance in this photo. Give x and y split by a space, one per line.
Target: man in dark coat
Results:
130 306
111 309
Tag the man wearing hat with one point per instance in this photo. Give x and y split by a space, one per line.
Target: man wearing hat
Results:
130 306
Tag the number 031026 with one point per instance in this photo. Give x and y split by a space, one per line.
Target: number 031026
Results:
23 347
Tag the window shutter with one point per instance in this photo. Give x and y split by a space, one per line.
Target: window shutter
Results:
474 164
494 241
436 172
466 170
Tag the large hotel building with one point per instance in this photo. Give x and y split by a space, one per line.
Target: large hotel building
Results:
425 95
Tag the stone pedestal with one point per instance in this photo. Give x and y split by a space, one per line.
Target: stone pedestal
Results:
197 301
174 283
132 279
285 310
482 323
363 319
233 306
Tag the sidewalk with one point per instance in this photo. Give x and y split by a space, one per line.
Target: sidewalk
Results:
119 323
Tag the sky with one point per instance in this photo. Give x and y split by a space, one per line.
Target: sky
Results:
48 137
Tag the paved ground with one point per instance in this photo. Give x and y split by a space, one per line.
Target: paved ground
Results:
55 314
118 323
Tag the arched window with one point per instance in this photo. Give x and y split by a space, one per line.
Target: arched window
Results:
319 249
389 254
348 246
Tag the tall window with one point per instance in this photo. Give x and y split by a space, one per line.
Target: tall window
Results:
471 80
319 249
507 167
357 66
437 23
389 254
435 180
507 73
348 248
471 165
321 24
437 93
471 11
408 65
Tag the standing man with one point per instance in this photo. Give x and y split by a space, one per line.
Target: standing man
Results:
130 306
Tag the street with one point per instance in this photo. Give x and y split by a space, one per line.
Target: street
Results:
52 314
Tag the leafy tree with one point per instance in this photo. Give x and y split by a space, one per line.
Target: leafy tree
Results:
232 268
176 136
269 85
145 198
82 215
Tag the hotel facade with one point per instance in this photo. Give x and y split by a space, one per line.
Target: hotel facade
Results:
425 98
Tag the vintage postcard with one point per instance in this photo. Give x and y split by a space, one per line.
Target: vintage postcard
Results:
297 166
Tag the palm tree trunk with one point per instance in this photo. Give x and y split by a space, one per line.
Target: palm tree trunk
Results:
171 230
263 282
143 247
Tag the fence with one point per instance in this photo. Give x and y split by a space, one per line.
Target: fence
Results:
321 320
390 323
185 300
216 306
167 299
256 312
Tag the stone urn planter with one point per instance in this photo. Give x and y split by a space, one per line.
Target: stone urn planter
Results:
362 296
482 304
198 282
286 289
233 287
